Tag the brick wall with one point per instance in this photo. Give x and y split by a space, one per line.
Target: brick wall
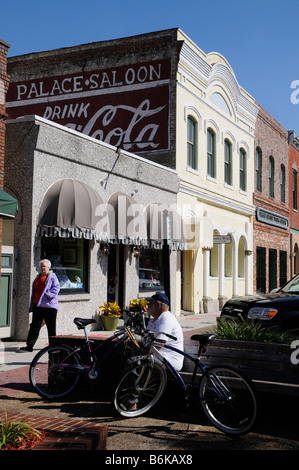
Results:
272 139
4 81
104 56
294 216
293 163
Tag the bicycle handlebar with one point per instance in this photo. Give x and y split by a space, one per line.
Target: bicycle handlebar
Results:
134 319
153 336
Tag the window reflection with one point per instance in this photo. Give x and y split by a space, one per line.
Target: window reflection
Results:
68 258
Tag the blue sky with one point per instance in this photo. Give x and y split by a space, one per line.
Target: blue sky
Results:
258 38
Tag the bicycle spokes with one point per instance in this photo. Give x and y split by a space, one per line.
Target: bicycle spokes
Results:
228 400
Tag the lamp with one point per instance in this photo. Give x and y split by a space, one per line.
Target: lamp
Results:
105 248
136 251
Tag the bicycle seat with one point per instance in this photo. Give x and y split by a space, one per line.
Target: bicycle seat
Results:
203 339
82 322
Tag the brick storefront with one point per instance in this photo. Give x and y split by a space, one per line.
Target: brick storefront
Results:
4 81
293 198
271 230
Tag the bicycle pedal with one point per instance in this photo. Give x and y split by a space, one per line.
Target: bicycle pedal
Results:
92 374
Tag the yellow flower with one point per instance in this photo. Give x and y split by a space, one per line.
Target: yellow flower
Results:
136 305
110 308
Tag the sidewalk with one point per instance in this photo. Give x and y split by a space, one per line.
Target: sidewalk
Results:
10 359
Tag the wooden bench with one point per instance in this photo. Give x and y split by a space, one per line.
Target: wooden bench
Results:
268 365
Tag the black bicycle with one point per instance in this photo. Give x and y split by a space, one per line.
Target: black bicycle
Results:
56 370
227 397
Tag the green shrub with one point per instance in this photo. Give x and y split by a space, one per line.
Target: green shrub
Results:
11 432
244 330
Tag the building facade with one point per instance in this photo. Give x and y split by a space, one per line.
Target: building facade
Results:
293 204
215 160
271 232
90 208
8 207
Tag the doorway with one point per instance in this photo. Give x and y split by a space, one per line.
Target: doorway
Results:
116 274
272 269
6 292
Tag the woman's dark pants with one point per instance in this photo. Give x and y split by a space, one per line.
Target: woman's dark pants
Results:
40 314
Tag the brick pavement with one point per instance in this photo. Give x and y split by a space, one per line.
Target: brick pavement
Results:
66 434
14 381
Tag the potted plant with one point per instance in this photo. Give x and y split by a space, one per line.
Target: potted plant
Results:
110 313
140 306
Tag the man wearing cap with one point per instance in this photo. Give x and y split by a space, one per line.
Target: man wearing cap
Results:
163 321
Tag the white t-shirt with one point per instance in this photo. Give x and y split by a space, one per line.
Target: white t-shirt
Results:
167 323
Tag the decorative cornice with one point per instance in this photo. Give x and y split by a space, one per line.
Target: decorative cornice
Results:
217 200
221 72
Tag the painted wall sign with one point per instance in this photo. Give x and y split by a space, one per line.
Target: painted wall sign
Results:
125 106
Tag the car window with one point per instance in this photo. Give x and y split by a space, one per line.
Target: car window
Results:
292 286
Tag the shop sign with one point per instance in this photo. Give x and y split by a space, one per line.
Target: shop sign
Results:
219 239
262 215
125 106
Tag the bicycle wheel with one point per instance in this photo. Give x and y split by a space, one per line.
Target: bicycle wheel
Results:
140 388
54 373
228 400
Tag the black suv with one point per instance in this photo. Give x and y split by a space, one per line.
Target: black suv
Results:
279 308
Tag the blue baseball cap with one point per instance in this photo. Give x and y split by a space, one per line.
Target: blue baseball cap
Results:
160 297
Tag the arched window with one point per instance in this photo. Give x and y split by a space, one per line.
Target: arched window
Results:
211 153
227 162
282 183
228 260
271 176
243 170
295 174
258 170
192 142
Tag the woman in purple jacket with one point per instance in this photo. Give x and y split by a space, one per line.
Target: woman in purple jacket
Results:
43 304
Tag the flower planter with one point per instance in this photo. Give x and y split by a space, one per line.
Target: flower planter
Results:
109 322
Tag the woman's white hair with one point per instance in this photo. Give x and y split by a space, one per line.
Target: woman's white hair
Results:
48 262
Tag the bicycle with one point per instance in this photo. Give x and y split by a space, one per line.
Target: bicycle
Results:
227 397
55 371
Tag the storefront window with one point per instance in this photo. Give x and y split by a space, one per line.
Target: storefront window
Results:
69 258
151 273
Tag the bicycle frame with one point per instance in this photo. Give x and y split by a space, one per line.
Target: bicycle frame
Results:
125 333
218 386
198 365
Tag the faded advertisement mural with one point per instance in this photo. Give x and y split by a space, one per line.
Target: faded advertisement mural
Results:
124 106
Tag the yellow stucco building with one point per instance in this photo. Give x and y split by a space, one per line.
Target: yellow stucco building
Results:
215 161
